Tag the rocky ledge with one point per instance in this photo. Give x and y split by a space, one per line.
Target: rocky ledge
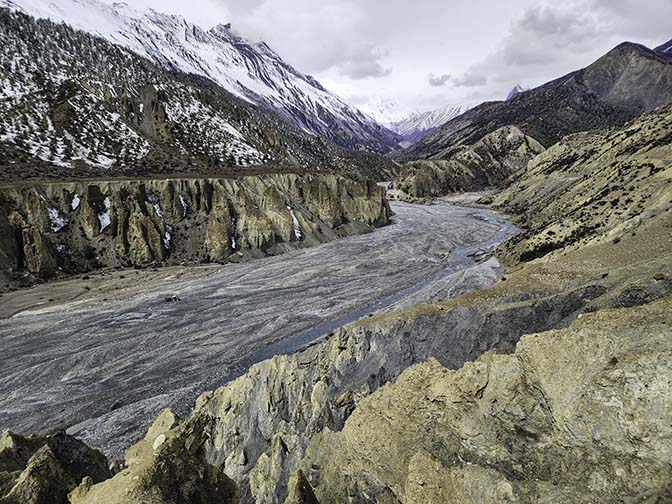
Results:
67 228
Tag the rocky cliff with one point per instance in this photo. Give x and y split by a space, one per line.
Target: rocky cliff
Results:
487 164
65 228
575 415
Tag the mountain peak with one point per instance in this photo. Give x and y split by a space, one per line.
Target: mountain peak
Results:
517 89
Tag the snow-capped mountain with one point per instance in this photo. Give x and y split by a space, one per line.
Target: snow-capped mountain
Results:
386 111
250 70
517 89
418 125
666 48
74 104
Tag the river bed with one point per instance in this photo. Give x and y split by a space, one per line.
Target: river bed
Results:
107 353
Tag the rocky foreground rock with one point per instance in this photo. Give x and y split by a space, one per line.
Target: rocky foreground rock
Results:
575 415
54 228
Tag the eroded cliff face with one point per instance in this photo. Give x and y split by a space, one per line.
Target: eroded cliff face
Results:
75 227
575 415
487 164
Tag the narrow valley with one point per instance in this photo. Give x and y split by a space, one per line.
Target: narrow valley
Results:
112 359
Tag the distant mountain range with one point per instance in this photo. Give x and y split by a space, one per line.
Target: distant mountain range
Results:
517 89
252 71
625 82
411 126
417 126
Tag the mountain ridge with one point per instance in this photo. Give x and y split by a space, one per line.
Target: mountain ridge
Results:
419 125
625 82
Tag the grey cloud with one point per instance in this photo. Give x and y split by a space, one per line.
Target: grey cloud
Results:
363 62
544 42
470 78
315 36
438 80
363 69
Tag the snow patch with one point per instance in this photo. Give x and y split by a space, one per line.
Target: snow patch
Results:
185 207
167 236
295 222
104 216
74 204
154 201
58 222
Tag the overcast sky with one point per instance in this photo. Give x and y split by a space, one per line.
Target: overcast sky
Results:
427 53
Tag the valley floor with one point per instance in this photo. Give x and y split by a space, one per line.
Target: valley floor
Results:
102 356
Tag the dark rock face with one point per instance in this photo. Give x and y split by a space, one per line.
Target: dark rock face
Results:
665 49
43 470
49 229
625 82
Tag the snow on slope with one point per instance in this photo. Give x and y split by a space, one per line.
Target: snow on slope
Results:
249 70
417 126
517 89
666 48
386 111
411 125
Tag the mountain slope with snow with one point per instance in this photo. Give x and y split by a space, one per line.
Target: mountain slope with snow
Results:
666 48
252 71
386 111
417 126
76 105
517 89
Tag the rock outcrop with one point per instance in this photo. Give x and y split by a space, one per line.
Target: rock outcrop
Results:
487 164
53 228
43 470
167 467
575 415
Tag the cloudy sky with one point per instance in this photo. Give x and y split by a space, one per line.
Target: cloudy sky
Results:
427 53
